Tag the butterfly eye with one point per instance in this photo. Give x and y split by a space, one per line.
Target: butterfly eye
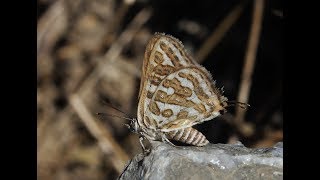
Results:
221 112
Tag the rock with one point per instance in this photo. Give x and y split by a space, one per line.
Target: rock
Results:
214 161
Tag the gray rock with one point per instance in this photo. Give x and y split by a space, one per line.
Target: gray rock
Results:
214 161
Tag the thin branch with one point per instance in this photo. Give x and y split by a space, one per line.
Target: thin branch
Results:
250 58
120 14
107 143
114 25
219 32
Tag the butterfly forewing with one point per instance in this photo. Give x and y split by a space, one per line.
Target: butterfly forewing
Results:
175 91
157 65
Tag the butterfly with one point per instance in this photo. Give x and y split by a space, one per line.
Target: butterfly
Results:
175 94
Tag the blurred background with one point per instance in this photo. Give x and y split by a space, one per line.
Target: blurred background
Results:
90 53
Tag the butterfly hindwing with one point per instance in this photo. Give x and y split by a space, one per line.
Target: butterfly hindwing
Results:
184 94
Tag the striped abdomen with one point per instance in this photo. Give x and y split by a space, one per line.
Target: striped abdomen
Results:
188 136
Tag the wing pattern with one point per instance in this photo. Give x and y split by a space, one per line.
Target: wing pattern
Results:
175 91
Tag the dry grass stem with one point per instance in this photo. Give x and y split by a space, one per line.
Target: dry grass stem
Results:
107 143
219 32
50 27
248 67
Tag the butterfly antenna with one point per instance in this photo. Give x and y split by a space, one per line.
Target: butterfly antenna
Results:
241 104
105 114
109 104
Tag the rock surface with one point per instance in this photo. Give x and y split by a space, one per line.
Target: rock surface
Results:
214 161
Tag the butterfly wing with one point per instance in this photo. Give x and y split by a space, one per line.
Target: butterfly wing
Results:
175 91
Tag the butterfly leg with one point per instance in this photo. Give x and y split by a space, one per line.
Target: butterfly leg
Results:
165 139
141 143
145 151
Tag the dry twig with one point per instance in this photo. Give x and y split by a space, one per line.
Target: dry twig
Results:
107 143
50 27
219 32
248 67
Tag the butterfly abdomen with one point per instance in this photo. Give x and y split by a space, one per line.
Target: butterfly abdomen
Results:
188 136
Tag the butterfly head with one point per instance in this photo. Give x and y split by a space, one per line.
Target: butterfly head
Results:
223 105
219 104
133 126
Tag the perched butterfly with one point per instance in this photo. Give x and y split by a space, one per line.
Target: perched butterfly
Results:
176 93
